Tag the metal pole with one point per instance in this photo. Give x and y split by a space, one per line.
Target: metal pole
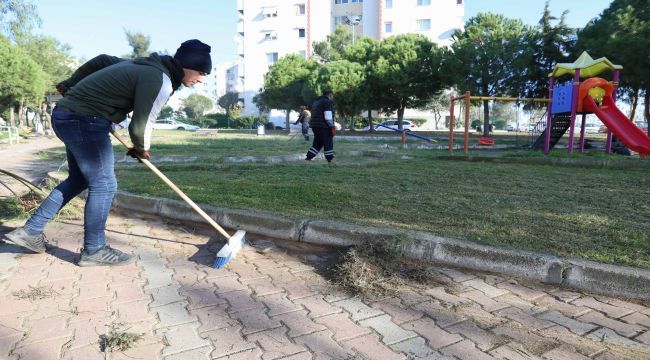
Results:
608 143
451 127
574 108
547 140
466 144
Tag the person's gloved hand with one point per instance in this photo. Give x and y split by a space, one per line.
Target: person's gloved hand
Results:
138 154
61 88
333 132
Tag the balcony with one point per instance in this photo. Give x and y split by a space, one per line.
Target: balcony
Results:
240 6
240 50
240 28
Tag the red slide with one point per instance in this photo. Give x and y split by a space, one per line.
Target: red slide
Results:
631 135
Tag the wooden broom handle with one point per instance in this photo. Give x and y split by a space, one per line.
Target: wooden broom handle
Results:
178 191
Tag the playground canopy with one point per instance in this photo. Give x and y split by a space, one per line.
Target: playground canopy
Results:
587 65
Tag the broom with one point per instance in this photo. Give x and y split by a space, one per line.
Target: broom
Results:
234 243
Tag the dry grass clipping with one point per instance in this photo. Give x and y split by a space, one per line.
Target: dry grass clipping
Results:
118 339
35 293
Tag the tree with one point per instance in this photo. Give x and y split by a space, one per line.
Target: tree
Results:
139 42
17 18
53 57
406 73
196 105
333 47
489 58
284 83
549 44
439 104
22 81
365 51
622 34
230 102
167 112
346 79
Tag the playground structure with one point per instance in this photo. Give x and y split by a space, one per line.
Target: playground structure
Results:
566 100
12 132
405 133
466 101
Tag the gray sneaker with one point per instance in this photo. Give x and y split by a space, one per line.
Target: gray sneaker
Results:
106 256
20 237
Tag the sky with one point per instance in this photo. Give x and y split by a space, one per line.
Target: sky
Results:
93 27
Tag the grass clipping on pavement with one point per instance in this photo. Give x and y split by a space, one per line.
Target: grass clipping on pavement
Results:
377 269
118 339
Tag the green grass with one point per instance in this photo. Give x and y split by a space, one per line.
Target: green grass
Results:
598 214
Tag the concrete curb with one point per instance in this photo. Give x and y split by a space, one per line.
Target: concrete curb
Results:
588 163
574 273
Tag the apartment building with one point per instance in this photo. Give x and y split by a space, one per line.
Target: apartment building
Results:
270 29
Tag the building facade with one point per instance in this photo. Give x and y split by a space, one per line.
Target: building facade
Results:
270 29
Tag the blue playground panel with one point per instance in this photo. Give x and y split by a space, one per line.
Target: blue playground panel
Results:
562 97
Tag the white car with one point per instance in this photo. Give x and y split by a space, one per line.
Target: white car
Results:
406 124
589 128
168 124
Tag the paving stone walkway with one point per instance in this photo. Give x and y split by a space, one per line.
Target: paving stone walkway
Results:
274 304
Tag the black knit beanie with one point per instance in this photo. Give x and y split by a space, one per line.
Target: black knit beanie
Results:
195 55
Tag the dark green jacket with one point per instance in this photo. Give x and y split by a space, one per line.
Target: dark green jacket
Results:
111 87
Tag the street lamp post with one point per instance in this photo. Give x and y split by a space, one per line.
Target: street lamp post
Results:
353 21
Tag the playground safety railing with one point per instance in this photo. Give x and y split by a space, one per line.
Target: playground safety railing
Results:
12 132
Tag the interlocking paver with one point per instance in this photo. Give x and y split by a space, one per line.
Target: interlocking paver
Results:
298 323
262 286
254 321
91 308
323 347
575 326
342 326
196 354
370 347
317 306
174 314
456 275
523 292
563 353
521 334
226 284
35 350
213 317
165 295
416 348
465 350
609 310
512 351
621 303
637 318
527 320
358 309
487 289
279 304
486 302
182 338
442 295
397 312
87 332
519 303
241 300
128 293
9 342
390 332
90 352
442 316
436 337
479 316
583 345
484 339
46 329
609 336
569 310
622 328
297 290
644 338
134 311
228 341
275 343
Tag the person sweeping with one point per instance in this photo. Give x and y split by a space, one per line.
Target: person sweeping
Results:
322 124
98 94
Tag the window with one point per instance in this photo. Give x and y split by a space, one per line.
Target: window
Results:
459 2
356 1
389 4
424 25
270 12
301 33
388 27
424 2
341 1
270 35
301 9
303 53
272 58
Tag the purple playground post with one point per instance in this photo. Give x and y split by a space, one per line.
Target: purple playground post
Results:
574 108
547 140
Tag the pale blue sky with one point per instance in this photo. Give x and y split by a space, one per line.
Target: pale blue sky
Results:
97 26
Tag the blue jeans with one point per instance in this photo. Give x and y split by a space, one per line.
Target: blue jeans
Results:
90 166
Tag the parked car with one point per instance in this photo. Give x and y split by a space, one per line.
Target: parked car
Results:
510 127
168 124
602 129
590 128
406 124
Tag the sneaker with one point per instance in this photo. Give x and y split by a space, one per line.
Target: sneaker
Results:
20 237
106 256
